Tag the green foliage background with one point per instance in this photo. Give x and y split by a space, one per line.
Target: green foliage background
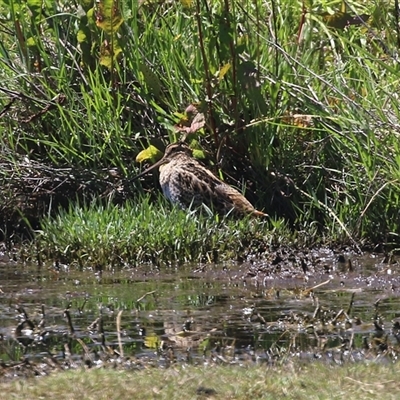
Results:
300 100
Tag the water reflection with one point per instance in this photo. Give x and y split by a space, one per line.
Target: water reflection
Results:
241 312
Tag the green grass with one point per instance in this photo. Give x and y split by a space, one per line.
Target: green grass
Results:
302 111
317 381
153 232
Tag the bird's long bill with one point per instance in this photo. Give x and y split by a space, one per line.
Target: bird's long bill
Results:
157 164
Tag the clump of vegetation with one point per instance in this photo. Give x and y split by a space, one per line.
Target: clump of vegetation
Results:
298 103
318 381
141 232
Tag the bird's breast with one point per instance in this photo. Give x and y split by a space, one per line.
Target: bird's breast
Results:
169 185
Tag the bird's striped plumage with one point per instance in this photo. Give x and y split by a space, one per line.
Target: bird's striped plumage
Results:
186 182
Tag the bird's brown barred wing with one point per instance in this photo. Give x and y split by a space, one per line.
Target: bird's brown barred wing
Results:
199 185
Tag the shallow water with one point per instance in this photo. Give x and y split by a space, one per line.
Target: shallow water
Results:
196 313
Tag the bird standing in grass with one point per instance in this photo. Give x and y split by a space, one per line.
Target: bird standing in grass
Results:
185 182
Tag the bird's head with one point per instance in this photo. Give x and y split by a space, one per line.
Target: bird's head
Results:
172 151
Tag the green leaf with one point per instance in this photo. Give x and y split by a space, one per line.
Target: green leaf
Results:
186 3
86 4
150 154
15 8
109 52
199 154
151 79
31 42
83 36
223 71
108 16
151 340
340 20
35 6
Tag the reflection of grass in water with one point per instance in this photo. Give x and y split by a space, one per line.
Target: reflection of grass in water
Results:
163 324
144 232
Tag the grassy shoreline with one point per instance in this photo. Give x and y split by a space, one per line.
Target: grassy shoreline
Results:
297 103
308 381
156 233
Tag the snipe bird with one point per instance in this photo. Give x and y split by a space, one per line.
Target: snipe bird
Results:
185 182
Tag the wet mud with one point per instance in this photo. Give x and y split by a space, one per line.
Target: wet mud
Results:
333 305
